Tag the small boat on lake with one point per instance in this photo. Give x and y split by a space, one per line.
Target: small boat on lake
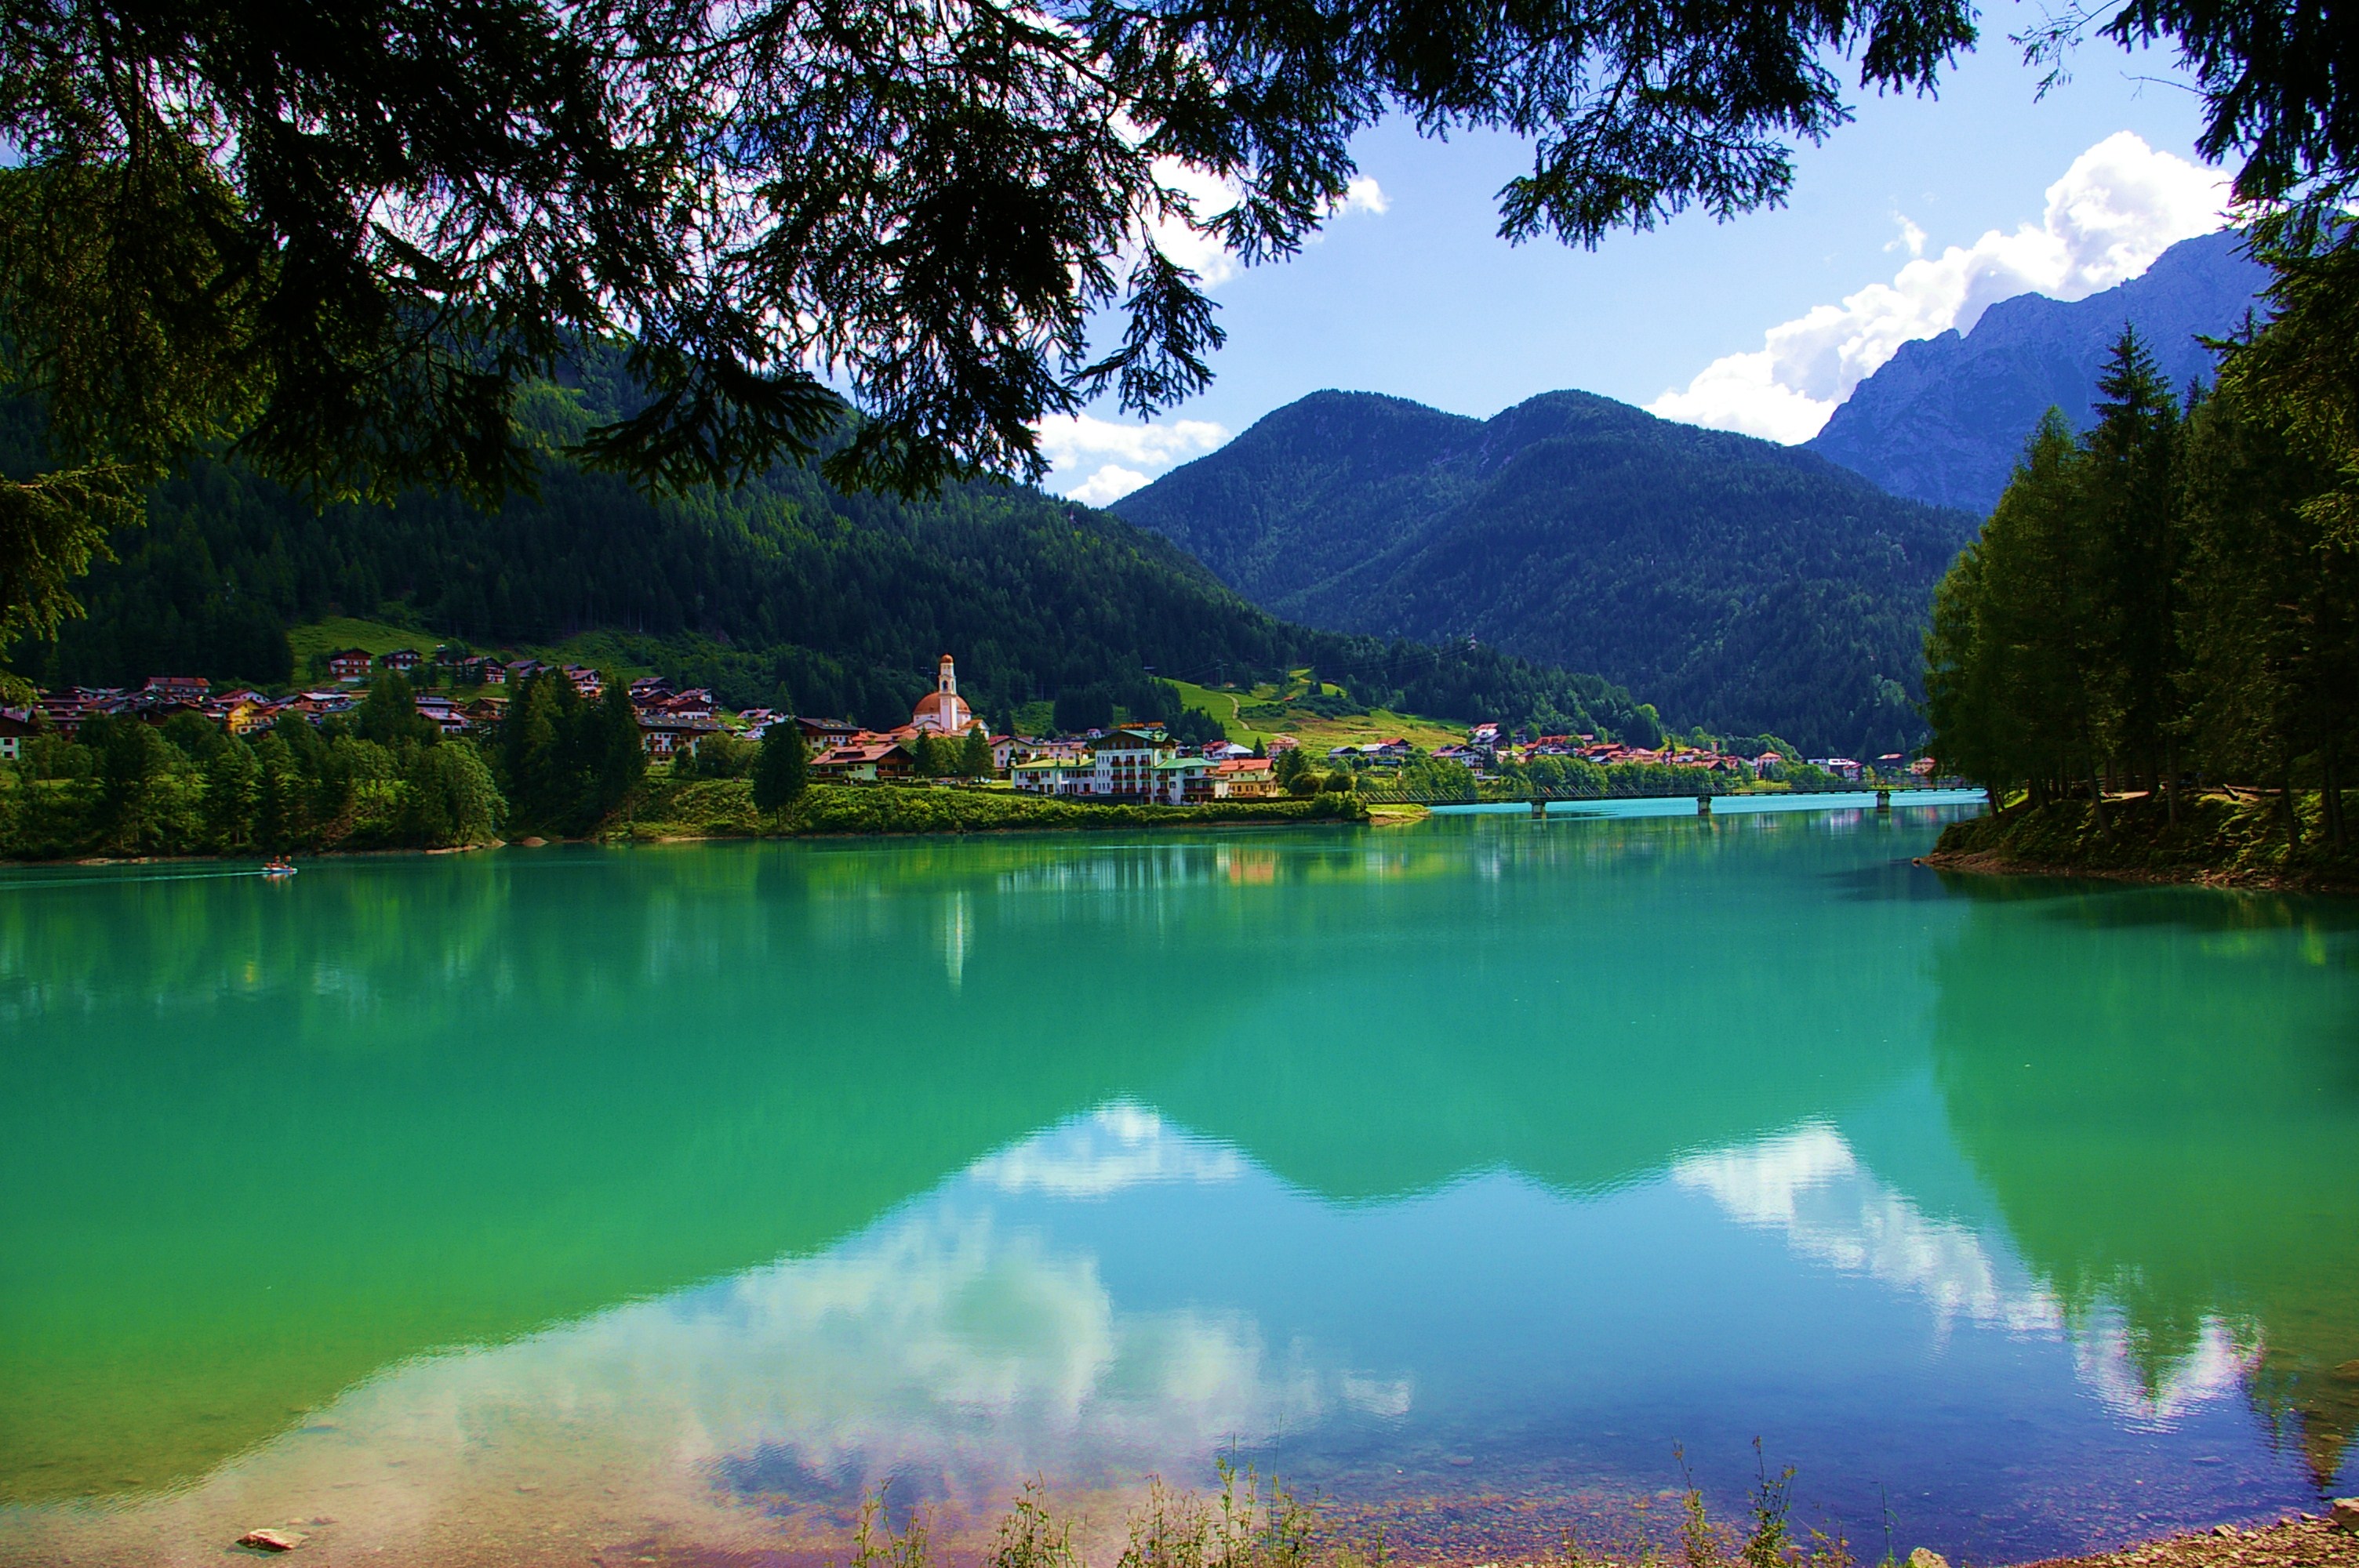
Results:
277 870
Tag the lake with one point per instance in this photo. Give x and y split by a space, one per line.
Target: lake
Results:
582 1205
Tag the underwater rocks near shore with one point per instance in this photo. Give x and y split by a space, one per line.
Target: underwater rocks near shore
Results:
2219 840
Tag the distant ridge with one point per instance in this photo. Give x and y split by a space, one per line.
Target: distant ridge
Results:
1751 586
1945 418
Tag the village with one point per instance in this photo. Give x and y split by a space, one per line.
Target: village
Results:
1129 761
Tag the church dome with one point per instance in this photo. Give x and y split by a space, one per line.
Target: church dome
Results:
942 710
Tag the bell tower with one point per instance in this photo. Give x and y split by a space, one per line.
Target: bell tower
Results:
946 681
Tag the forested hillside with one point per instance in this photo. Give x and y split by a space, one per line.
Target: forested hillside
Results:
1945 418
785 592
1744 586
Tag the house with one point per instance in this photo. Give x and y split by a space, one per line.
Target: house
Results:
177 688
1841 767
350 663
1246 778
1226 750
691 706
661 735
1125 760
402 659
1053 775
1184 781
444 713
589 683
647 689
876 762
822 735
1282 744
13 735
519 670
484 672
1002 752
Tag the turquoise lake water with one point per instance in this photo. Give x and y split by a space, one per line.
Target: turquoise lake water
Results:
578 1205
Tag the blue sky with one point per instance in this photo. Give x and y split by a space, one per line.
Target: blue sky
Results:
1988 191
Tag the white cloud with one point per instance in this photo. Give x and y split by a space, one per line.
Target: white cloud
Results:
2118 207
1109 485
1364 195
1118 458
1207 196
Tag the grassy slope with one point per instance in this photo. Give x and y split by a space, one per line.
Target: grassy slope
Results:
336 631
1315 732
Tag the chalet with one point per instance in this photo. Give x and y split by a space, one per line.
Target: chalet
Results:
484 672
519 670
1053 775
13 735
1126 761
661 735
872 763
64 710
350 663
647 689
589 683
693 707
1245 778
1226 750
444 713
1185 781
402 659
177 688
245 713
824 735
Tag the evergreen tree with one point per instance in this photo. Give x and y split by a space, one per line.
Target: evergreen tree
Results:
617 757
782 770
974 755
389 714
2131 486
233 798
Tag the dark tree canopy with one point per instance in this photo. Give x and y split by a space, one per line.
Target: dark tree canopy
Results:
348 240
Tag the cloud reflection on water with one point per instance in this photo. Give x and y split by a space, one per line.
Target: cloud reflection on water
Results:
1808 1184
957 1348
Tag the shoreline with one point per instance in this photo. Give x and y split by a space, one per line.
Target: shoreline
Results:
1998 863
2220 841
1021 815
2297 1541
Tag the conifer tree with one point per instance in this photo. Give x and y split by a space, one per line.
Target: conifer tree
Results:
782 770
974 755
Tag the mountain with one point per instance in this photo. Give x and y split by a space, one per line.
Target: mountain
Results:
783 592
1945 418
1742 585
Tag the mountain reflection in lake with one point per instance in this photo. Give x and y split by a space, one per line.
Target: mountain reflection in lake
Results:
538 1205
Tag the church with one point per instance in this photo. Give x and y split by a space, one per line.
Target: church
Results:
943 710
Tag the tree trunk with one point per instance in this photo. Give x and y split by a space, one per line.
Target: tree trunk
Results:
2286 805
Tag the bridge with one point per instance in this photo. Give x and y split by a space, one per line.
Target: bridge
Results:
1541 800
